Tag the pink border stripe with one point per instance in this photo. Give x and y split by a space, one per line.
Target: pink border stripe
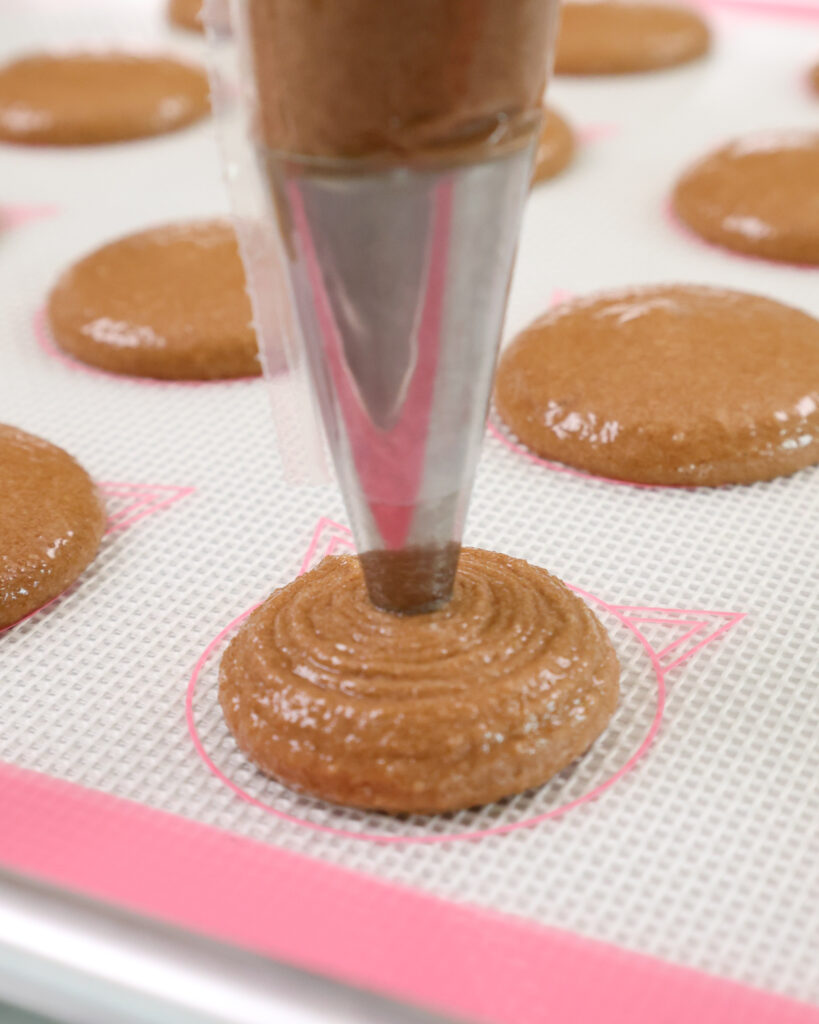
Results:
454 958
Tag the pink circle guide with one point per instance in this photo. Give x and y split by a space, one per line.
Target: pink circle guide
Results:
329 536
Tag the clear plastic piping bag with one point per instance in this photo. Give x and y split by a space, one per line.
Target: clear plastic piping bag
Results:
281 348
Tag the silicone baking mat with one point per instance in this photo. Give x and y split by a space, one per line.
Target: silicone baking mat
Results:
672 872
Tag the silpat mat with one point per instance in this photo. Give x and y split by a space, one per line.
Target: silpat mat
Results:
675 860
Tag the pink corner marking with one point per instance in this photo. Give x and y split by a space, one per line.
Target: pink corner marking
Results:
312 549
126 504
696 627
47 345
18 214
330 535
597 132
683 230
332 546
135 502
559 296
716 622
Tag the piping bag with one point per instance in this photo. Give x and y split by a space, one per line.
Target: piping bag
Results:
379 153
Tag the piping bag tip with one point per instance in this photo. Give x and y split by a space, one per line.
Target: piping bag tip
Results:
400 279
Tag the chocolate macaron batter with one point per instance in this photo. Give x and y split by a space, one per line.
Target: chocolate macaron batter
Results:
409 78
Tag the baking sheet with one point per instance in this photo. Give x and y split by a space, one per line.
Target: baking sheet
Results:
691 830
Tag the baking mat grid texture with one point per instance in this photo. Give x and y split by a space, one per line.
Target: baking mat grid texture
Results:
704 852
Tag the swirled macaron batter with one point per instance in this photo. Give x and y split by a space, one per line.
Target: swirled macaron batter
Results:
488 696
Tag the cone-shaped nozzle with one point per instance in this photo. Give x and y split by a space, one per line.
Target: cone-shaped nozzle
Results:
398 199
400 280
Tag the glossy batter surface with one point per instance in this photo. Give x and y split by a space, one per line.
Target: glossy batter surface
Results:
51 522
610 38
490 695
757 195
667 385
86 98
555 148
169 303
